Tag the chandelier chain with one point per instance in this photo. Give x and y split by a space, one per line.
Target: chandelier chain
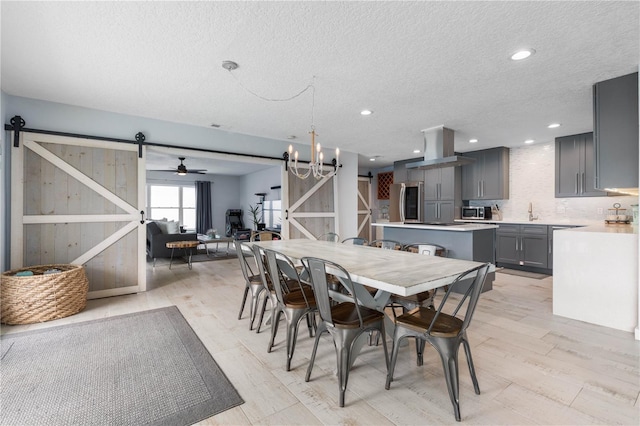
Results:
309 86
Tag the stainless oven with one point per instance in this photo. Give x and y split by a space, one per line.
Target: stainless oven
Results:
406 202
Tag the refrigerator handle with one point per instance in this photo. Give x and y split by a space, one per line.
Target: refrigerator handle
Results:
402 202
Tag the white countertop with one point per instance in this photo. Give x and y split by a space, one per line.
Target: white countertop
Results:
580 225
524 221
462 227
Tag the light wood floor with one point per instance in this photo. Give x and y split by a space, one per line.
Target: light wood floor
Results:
533 367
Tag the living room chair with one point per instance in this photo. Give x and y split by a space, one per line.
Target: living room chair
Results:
445 329
292 298
342 317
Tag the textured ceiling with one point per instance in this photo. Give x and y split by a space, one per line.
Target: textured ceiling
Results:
415 64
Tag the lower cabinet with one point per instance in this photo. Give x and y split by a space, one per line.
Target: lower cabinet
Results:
524 245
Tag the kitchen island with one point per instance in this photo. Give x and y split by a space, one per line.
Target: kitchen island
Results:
466 241
595 275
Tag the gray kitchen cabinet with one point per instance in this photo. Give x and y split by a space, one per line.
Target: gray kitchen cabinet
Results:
615 126
575 167
439 211
524 245
439 184
400 171
487 178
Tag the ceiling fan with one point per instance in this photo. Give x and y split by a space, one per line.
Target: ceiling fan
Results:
181 170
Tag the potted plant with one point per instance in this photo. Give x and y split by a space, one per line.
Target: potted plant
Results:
255 213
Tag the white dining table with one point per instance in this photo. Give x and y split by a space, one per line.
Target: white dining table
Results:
389 271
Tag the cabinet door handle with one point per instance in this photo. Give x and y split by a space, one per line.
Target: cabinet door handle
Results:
577 179
584 183
482 188
478 188
550 245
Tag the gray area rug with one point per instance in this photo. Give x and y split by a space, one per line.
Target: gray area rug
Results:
526 274
141 368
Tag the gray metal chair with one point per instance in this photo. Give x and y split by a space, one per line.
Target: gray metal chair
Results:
411 302
445 329
344 321
386 244
292 298
356 241
329 236
253 282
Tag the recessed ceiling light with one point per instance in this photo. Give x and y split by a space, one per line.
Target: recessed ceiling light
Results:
473 140
366 112
522 54
528 141
553 125
416 151
372 159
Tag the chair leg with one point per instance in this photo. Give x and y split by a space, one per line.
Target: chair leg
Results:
448 350
472 370
321 329
343 370
256 290
293 322
274 330
419 351
255 313
394 356
244 301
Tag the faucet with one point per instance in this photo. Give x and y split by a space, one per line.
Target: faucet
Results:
531 216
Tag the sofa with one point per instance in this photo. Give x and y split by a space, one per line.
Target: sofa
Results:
159 233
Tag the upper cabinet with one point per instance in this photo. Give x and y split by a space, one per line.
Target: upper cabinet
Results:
615 123
439 184
575 167
401 173
487 178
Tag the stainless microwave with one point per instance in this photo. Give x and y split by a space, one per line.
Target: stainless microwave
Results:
406 202
482 213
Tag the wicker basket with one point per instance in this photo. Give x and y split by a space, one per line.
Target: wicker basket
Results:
42 297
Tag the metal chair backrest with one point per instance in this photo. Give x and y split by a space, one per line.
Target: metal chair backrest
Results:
244 252
471 296
281 266
357 241
329 236
264 235
386 244
324 294
428 249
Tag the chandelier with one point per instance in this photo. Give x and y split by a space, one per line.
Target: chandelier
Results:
316 165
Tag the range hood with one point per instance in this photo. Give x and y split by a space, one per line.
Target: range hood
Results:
438 150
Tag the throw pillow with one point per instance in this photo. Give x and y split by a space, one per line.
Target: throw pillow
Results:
173 227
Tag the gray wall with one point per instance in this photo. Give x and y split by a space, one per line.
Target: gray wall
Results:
4 188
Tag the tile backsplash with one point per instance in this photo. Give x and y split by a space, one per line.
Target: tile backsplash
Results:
532 180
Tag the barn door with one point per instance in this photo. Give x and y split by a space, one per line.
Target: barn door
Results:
364 208
310 206
80 201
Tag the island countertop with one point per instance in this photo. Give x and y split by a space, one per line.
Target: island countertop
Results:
457 227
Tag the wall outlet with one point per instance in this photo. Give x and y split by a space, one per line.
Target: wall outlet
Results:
600 211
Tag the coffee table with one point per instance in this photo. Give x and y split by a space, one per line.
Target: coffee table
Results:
206 240
188 247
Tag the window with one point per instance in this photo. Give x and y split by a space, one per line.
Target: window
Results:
172 202
272 213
